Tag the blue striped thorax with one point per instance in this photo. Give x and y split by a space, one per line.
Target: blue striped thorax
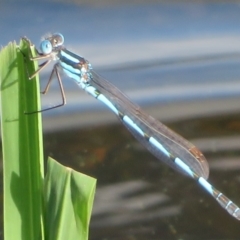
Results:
75 66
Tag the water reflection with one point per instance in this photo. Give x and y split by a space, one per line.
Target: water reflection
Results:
130 202
138 197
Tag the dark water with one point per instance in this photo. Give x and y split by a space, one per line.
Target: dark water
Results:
140 198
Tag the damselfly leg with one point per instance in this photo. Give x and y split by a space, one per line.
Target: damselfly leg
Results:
54 74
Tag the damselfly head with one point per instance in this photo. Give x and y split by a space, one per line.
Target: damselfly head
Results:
56 39
51 43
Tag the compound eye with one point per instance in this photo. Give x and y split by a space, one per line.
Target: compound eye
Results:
58 39
46 47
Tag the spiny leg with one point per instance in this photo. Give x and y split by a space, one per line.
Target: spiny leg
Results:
41 67
54 70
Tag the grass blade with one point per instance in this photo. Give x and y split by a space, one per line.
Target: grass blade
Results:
22 145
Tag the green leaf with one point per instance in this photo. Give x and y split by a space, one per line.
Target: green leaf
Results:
22 145
68 200
68 195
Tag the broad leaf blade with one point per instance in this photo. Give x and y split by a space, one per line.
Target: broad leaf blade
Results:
68 201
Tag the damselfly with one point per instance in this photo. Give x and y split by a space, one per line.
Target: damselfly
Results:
162 142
